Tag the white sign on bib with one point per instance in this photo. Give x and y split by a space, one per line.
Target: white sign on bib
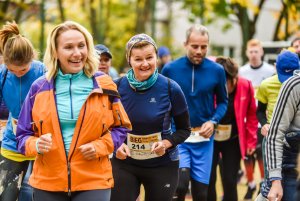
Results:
14 123
140 145
196 137
223 132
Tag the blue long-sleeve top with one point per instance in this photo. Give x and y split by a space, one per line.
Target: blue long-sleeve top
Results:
14 92
201 84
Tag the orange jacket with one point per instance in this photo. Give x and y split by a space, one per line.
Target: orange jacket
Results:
54 171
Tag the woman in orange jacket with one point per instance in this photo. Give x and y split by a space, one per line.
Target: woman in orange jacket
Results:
71 120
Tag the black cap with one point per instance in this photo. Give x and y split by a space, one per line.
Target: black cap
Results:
102 49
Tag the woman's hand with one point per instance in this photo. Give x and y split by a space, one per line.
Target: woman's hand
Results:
44 143
159 148
88 151
122 152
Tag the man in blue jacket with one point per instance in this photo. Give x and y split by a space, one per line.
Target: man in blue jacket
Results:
204 85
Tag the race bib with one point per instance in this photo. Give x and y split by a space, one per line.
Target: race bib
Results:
14 123
140 145
223 132
195 136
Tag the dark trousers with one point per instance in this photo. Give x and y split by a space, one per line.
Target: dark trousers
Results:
11 174
159 182
228 153
298 190
198 189
91 195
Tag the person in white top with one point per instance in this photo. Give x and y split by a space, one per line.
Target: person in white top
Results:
256 70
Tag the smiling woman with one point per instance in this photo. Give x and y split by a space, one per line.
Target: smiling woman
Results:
149 156
143 61
77 120
71 51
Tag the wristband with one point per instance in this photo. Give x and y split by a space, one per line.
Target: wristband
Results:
37 146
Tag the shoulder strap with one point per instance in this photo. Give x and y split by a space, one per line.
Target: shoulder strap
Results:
118 81
170 95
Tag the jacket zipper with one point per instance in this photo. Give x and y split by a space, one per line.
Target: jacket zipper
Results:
69 161
69 178
41 133
193 78
71 101
119 117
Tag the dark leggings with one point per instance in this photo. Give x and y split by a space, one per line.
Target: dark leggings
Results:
159 182
90 195
199 190
228 154
11 176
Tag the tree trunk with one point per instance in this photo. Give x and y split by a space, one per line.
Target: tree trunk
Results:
202 10
102 22
245 24
279 22
61 10
153 19
286 35
93 20
19 11
42 35
248 26
4 8
142 15
107 19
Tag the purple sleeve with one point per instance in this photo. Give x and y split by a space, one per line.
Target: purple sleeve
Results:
119 135
119 132
24 128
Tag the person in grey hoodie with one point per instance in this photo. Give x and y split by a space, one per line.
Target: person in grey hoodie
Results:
282 142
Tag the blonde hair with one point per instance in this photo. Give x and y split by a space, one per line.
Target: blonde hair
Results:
15 48
254 43
50 57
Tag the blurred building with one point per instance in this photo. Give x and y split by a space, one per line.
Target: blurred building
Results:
227 43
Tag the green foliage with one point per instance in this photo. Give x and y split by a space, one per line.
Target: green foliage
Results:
122 28
221 9
115 21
